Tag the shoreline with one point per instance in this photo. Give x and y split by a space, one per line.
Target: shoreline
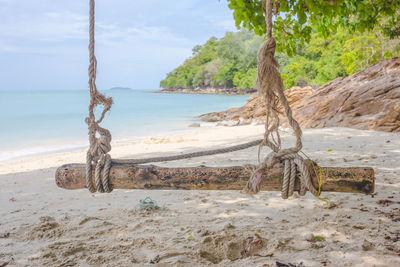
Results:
174 141
65 146
121 148
208 91
38 129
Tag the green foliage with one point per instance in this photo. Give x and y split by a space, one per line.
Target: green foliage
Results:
359 52
295 19
325 39
232 60
225 63
245 80
339 55
317 63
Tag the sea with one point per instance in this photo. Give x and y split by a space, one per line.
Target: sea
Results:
42 122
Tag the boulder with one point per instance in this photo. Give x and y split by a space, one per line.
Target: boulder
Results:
367 100
196 124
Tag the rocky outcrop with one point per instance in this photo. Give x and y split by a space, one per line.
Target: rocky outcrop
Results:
368 100
208 90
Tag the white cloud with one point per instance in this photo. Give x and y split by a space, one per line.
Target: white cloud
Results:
56 27
136 41
45 27
112 35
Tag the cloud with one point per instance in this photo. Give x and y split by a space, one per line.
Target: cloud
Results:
57 27
112 34
225 24
46 27
137 42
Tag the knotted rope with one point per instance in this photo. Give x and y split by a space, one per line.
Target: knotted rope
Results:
97 154
270 87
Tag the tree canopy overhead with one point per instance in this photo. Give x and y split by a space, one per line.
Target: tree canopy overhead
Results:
295 19
324 40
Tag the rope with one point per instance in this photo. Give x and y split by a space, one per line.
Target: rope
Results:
190 155
97 154
270 87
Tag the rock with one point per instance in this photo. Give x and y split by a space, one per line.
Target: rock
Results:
229 123
196 124
211 117
367 100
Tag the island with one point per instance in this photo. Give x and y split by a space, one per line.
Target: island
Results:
117 88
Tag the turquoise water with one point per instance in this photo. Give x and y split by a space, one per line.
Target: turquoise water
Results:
37 122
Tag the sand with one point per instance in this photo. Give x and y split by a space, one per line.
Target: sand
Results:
42 225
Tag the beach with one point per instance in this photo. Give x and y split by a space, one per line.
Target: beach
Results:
43 225
85 87
48 121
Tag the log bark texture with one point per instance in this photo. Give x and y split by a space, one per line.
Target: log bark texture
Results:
130 176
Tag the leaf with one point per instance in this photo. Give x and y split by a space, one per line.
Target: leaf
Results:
322 16
302 16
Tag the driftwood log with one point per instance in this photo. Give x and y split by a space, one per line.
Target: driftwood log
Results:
131 176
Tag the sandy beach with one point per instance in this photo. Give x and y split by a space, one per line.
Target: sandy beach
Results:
43 225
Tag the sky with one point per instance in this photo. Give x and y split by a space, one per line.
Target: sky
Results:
43 43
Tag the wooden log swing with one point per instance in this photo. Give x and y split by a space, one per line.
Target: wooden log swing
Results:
133 176
283 169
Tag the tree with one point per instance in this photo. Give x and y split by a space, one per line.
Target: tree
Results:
361 51
216 63
245 80
196 50
295 19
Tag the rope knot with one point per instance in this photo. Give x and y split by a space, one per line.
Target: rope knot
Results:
98 155
252 186
98 145
294 168
271 159
101 145
270 87
269 46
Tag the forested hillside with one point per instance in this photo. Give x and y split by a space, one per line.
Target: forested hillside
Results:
231 62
